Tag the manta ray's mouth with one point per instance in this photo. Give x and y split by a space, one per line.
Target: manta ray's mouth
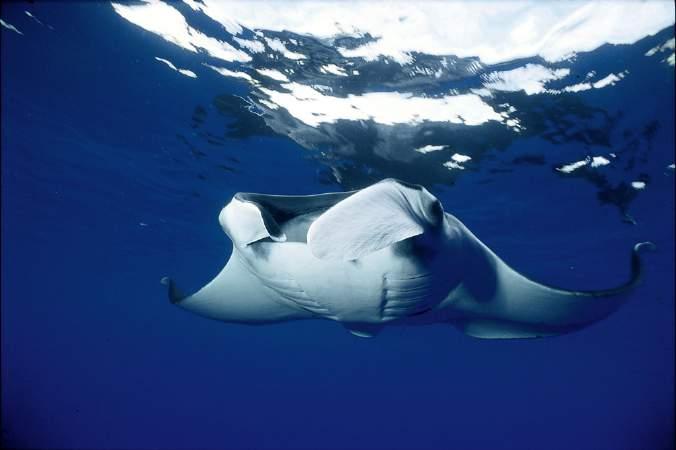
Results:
296 228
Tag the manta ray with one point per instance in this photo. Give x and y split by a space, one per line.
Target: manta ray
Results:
384 255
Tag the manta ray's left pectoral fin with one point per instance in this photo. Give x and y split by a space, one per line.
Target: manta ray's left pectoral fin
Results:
236 295
175 294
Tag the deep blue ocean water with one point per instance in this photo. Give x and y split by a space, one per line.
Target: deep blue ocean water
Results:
114 170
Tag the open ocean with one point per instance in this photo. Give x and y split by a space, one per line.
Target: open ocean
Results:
545 127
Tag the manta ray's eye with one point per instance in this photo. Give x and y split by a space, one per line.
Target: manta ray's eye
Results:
436 210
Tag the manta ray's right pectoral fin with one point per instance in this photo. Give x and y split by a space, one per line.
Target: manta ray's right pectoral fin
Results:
526 309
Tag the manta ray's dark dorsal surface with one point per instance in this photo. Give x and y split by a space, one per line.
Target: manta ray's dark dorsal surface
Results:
386 254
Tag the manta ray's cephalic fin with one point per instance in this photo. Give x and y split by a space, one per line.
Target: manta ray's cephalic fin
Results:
371 219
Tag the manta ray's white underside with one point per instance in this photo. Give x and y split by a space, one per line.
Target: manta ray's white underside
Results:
387 254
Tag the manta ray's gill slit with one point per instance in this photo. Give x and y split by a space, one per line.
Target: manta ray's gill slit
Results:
296 295
383 296
406 296
290 291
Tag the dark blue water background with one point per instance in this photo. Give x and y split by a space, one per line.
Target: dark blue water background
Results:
100 200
